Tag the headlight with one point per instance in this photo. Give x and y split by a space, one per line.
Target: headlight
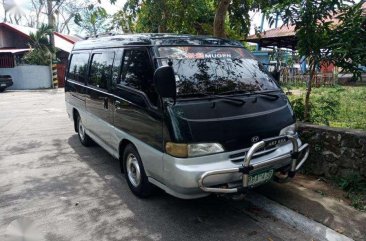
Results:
192 150
288 130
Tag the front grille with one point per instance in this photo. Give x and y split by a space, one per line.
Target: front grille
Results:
239 157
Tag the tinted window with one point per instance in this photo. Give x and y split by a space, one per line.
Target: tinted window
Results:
78 66
137 72
101 69
116 67
216 70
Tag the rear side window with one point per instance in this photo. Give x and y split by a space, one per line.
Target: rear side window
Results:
137 73
136 70
101 69
78 66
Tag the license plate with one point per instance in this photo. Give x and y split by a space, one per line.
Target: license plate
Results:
276 142
260 177
3 85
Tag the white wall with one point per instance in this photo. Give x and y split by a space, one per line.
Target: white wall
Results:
28 77
10 39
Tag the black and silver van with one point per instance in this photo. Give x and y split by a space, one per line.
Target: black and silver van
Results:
192 115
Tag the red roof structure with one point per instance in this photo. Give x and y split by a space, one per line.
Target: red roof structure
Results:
72 39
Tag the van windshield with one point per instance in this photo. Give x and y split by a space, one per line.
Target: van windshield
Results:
215 70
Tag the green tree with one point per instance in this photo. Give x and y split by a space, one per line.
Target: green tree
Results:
222 18
93 20
347 45
177 16
233 15
122 21
313 20
41 47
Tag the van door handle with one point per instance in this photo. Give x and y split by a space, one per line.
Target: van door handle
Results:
117 105
105 102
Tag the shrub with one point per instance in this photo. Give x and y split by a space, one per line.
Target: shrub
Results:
324 107
355 186
298 107
37 57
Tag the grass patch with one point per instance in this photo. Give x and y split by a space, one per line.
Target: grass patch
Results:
337 106
355 186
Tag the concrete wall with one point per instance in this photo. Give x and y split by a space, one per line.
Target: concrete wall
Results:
334 152
28 77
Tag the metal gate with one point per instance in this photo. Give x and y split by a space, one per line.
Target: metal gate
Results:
7 61
61 70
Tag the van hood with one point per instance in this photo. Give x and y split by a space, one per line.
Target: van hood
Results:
233 126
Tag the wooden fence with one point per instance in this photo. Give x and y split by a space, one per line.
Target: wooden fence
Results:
321 79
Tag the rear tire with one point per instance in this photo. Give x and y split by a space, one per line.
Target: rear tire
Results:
2 90
135 173
83 137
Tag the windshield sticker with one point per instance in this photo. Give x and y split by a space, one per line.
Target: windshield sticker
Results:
207 56
188 52
217 56
195 55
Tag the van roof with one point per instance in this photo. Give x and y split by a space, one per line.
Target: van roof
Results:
153 39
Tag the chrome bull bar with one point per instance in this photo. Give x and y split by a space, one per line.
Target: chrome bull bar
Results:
247 167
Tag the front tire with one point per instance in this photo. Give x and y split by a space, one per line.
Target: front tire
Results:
135 173
83 137
2 90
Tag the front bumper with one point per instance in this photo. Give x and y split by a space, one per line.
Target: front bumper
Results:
200 176
247 167
5 83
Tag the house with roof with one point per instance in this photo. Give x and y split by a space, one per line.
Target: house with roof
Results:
14 43
284 37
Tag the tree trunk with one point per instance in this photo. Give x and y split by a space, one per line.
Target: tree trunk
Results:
51 21
162 28
5 11
52 36
308 91
219 21
95 32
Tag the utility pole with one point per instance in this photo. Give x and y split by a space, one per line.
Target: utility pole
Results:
261 30
51 23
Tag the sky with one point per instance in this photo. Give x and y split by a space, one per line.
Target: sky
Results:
25 6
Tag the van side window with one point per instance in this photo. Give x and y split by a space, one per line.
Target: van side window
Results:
116 67
137 72
78 67
101 69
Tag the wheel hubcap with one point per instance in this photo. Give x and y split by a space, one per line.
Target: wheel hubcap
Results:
81 130
133 170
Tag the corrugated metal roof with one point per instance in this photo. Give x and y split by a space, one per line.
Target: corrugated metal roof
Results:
70 38
283 31
63 44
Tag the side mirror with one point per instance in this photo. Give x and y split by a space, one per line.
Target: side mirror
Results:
164 80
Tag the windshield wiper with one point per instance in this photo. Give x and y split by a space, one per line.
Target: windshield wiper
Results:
212 96
265 94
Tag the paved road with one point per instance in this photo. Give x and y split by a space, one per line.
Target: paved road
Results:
65 191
